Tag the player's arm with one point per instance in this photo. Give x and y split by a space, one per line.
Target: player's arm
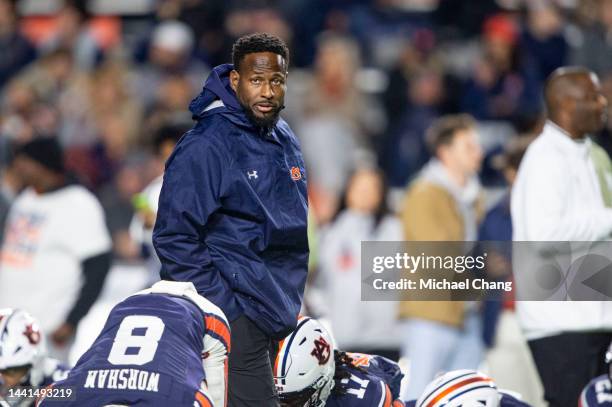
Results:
91 244
389 401
204 399
217 345
191 193
388 371
95 270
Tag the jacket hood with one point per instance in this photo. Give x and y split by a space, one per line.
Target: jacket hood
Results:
466 197
217 88
435 173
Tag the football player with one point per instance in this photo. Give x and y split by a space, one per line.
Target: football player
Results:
23 360
309 372
465 388
164 346
598 393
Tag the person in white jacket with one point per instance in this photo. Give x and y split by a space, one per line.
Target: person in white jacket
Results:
563 192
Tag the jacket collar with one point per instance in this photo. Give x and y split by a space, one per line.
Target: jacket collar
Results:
563 140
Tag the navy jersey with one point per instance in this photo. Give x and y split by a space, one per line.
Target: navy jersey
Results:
597 393
381 367
149 353
376 383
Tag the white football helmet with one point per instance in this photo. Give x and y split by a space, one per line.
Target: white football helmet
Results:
21 342
304 367
460 388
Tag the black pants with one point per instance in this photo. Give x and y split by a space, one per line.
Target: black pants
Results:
250 380
567 362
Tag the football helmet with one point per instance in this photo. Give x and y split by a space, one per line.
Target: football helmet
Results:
460 388
304 367
21 342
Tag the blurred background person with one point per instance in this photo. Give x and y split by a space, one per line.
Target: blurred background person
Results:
56 251
507 351
544 38
363 215
10 186
145 202
548 205
170 54
17 50
443 204
73 32
504 84
406 149
336 121
116 199
593 47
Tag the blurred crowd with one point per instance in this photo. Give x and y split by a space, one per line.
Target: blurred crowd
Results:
367 80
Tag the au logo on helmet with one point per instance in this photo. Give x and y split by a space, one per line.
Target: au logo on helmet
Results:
321 351
32 333
296 174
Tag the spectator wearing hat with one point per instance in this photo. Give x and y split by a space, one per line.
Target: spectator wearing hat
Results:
56 251
505 83
169 57
17 51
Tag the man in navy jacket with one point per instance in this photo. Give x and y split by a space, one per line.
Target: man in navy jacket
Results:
233 210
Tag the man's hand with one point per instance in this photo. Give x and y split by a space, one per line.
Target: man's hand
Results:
63 334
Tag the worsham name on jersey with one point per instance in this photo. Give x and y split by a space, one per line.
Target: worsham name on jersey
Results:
122 379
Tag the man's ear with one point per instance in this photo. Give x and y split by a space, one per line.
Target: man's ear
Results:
441 152
234 78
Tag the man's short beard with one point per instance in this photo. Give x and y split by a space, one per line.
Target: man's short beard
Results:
262 122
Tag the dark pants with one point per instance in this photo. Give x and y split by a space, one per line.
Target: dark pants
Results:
250 380
567 362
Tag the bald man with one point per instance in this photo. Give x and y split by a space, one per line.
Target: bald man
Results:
574 102
563 193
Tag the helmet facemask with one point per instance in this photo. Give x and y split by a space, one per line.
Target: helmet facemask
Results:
313 396
305 366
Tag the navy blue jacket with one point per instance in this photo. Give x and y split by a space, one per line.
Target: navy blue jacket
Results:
233 212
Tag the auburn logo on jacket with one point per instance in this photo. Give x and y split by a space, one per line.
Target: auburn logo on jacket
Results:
296 174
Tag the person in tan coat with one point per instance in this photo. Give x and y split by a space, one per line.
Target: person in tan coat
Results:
443 204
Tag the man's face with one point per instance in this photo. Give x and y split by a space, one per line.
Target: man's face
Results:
589 113
260 86
464 153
